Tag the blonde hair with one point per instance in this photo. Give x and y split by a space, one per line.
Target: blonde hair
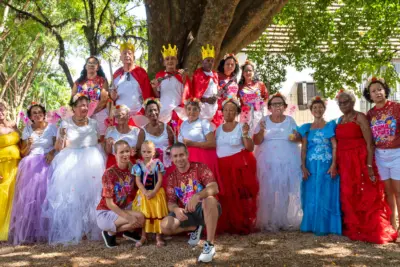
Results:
151 144
118 144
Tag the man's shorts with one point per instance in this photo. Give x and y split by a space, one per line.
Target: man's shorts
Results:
106 220
195 218
388 162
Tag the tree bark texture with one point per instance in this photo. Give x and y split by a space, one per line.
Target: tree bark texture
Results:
228 25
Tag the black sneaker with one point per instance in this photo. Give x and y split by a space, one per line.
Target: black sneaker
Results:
133 236
109 240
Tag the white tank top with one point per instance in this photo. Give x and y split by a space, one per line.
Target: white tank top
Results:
161 141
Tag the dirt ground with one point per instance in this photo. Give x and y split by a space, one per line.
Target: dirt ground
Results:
261 249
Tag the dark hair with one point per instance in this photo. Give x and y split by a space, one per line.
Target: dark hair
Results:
367 95
29 111
149 102
222 64
317 101
119 143
193 103
238 109
73 104
100 71
179 145
277 96
255 77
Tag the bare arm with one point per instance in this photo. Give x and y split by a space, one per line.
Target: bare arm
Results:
120 212
259 137
25 147
246 139
140 141
74 90
209 143
103 101
140 185
171 135
210 190
304 143
367 134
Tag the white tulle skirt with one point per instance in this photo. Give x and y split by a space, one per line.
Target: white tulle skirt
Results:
279 179
73 192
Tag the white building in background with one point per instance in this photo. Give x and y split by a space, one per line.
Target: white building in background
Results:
302 91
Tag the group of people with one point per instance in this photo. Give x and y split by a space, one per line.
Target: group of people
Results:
181 154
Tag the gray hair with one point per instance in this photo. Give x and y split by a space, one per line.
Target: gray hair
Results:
121 108
350 94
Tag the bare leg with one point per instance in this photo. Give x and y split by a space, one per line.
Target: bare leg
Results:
396 192
142 240
210 211
171 226
123 225
391 200
160 241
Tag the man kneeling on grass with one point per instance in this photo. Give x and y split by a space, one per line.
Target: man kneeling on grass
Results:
195 186
114 212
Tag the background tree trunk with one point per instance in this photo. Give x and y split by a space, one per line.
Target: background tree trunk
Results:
229 25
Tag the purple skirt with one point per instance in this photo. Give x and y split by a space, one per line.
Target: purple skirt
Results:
26 224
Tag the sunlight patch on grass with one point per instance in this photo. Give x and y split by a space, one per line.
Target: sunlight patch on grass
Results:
90 261
267 242
337 252
13 254
17 264
47 255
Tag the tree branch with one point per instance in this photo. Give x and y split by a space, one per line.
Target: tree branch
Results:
101 18
113 38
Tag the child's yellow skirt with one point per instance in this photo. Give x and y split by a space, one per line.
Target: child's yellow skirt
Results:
154 210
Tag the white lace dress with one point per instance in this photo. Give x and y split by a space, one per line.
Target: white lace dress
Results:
279 175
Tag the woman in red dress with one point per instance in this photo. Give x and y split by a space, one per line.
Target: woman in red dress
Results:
366 215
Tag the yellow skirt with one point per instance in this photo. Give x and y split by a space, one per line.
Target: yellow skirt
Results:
9 158
154 210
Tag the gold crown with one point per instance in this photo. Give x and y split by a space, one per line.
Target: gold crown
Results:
208 52
127 45
170 51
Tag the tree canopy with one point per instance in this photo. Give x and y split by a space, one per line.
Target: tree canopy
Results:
343 41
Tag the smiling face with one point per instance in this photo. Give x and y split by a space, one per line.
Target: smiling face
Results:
208 64
36 114
192 111
127 56
122 153
229 66
318 110
277 106
170 63
180 157
152 111
229 111
81 107
248 73
92 65
377 93
346 104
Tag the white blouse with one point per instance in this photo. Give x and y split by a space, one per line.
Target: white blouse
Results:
42 144
195 131
171 91
130 137
129 92
161 141
229 143
79 137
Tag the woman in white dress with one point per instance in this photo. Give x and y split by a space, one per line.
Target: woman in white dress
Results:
122 131
75 179
278 169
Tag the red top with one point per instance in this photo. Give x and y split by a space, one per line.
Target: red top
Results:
186 86
119 185
385 125
200 82
182 186
141 77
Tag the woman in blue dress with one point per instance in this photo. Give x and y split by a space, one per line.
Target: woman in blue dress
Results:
320 187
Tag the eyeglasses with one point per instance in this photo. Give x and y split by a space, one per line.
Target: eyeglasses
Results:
343 103
277 105
91 63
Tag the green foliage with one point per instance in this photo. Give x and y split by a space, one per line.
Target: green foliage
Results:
343 41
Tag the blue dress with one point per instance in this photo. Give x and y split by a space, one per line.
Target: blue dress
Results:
320 194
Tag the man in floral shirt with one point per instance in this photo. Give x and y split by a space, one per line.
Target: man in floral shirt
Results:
192 202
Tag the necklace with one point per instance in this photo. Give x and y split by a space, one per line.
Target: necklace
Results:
80 122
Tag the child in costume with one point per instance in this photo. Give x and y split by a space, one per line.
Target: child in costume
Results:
150 198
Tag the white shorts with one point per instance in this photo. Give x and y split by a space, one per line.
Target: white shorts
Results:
388 161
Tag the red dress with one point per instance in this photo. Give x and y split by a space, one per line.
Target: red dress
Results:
365 211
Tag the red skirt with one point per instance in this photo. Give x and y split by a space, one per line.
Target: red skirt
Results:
208 157
239 200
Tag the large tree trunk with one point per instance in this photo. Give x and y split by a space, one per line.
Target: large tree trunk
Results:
229 25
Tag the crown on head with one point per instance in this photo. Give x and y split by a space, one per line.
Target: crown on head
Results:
207 51
192 100
232 99
127 46
170 51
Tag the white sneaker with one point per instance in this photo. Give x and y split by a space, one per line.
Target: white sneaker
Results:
208 253
195 236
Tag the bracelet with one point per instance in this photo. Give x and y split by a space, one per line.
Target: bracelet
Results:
368 165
